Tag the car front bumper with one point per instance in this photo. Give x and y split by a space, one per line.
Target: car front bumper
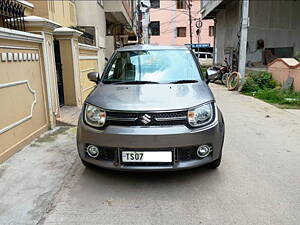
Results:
177 138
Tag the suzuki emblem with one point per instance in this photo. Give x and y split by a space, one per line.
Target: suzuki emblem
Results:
145 119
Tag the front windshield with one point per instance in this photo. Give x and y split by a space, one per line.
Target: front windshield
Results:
162 66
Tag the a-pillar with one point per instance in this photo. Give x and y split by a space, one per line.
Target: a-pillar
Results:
69 53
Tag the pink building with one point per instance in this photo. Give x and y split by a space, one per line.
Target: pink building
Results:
170 23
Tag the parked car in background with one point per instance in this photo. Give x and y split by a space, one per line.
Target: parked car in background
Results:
151 110
205 58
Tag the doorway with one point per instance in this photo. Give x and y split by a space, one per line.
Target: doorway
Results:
60 85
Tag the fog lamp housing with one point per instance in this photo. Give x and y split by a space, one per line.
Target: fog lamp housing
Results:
203 151
92 151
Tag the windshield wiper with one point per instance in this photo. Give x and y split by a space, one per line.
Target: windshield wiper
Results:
183 81
135 82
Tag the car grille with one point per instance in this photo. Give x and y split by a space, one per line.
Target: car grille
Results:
181 154
147 119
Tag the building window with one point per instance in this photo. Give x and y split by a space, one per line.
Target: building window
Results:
88 35
181 4
211 31
181 31
154 28
155 4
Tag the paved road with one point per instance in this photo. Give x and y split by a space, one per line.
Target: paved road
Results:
257 183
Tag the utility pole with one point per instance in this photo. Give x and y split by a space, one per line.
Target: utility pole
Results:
173 24
198 32
243 38
190 18
139 22
145 9
215 47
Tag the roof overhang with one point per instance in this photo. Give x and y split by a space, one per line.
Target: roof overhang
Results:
211 8
36 21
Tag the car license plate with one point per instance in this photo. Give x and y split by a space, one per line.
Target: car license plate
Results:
147 156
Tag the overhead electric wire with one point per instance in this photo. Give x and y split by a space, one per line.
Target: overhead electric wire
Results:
159 9
166 25
171 20
171 29
195 11
202 29
184 13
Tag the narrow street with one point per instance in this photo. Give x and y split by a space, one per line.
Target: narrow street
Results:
258 181
139 70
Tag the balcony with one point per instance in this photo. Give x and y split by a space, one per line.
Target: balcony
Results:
12 13
119 11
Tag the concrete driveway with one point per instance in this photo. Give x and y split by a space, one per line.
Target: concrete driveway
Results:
258 181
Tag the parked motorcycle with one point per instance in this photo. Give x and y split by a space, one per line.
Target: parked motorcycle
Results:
221 73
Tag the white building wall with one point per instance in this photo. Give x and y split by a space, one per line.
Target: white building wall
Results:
90 13
227 28
110 46
275 22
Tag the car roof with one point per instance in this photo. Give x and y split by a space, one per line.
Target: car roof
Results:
151 47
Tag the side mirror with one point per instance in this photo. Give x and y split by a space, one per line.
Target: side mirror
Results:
93 76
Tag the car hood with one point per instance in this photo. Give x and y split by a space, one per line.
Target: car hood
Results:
148 97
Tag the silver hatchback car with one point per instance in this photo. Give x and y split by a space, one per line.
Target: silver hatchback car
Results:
151 110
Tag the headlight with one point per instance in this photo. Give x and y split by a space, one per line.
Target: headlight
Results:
201 115
94 116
